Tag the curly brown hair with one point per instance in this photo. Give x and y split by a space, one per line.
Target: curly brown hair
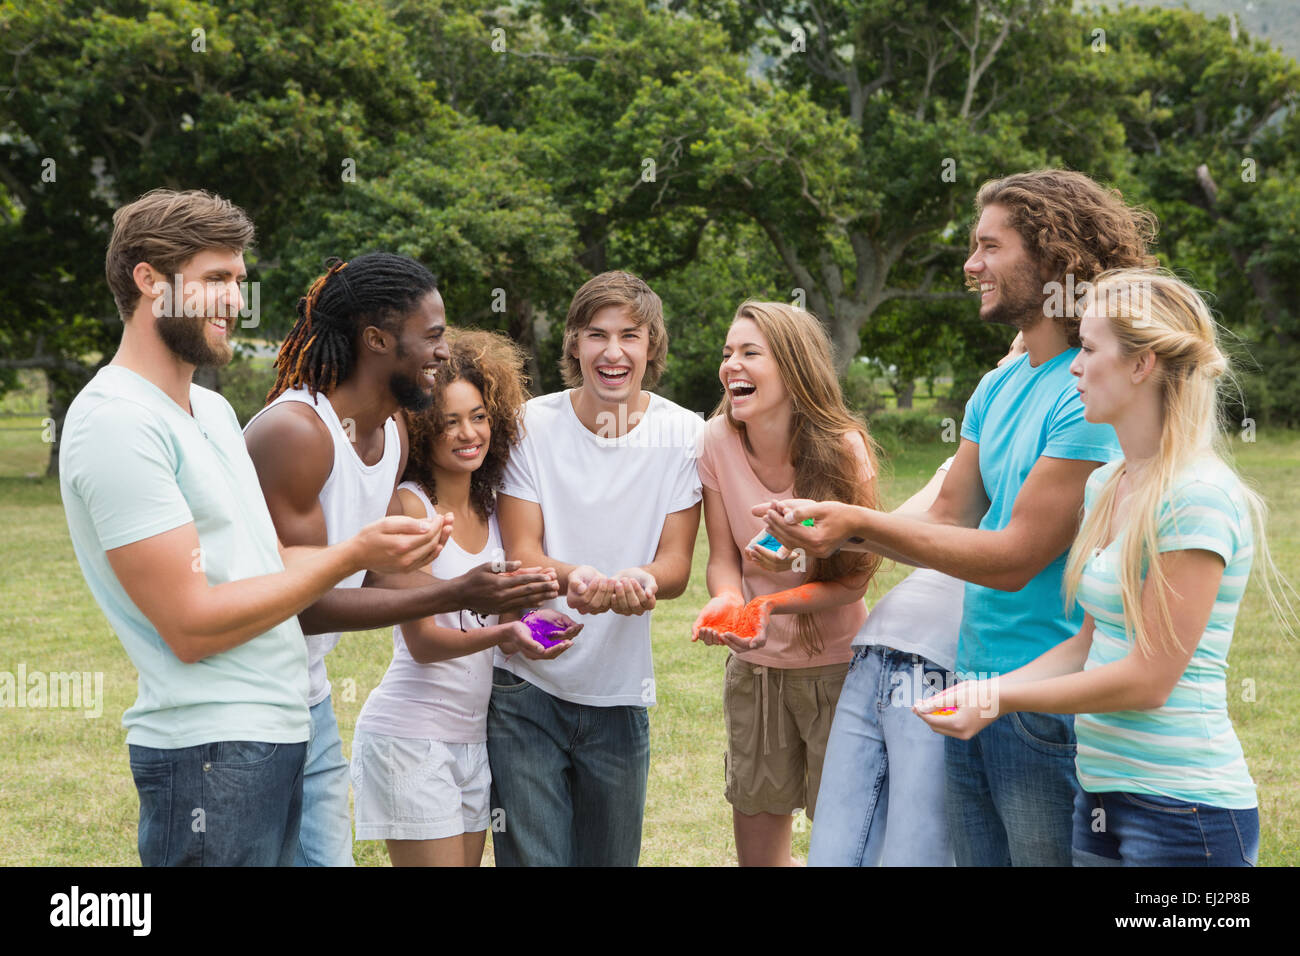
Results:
1070 225
494 365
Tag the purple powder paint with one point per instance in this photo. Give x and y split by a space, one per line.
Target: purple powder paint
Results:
542 629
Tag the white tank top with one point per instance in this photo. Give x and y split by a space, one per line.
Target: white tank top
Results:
354 495
446 700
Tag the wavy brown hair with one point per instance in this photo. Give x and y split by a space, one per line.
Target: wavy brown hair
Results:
825 466
494 365
616 289
167 229
1070 225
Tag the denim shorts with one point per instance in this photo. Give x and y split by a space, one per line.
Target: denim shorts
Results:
1142 829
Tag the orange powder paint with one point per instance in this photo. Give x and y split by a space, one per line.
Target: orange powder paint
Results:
741 621
744 621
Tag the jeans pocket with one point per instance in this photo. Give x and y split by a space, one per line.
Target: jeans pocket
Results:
242 754
506 681
1049 733
153 784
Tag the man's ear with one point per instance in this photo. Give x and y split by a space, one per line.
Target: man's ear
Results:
375 339
147 281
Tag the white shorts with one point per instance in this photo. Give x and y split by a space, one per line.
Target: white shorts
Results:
409 789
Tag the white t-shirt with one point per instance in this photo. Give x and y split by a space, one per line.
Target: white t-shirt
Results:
445 700
920 615
604 501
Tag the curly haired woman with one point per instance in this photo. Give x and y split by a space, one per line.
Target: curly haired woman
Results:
419 757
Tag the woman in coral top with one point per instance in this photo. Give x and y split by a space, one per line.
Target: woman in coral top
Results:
781 430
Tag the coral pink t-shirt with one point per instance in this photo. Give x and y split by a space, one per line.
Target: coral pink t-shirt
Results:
725 469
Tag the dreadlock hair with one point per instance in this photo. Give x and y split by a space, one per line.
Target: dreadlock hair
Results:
494 365
378 289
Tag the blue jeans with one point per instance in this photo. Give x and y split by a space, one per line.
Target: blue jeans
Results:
230 803
1139 829
1010 792
326 836
570 778
881 801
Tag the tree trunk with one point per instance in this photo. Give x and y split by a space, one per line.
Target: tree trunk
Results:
903 390
61 387
846 337
522 331
209 376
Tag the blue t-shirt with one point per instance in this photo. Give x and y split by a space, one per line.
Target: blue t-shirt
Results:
1017 415
134 464
1186 748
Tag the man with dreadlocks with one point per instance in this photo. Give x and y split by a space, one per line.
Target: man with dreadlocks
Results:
329 448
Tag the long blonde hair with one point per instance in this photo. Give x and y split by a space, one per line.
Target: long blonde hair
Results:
825 469
1152 310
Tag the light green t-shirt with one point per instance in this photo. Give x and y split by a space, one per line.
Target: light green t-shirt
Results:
134 464
1185 749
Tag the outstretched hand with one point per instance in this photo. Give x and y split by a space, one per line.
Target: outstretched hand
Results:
517 638
962 710
832 524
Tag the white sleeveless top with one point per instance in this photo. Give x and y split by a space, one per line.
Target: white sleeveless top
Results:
446 700
354 495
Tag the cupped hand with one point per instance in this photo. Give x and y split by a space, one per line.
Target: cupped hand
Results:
722 604
397 543
634 591
589 592
516 638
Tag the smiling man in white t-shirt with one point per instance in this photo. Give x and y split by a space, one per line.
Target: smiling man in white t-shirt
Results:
603 488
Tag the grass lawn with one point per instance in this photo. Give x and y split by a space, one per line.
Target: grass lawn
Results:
66 794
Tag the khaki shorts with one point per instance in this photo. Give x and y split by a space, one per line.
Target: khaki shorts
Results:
778 721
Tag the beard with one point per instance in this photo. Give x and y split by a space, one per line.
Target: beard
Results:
187 339
410 394
1020 300
408 389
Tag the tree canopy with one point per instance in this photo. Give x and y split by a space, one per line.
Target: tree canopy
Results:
822 151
